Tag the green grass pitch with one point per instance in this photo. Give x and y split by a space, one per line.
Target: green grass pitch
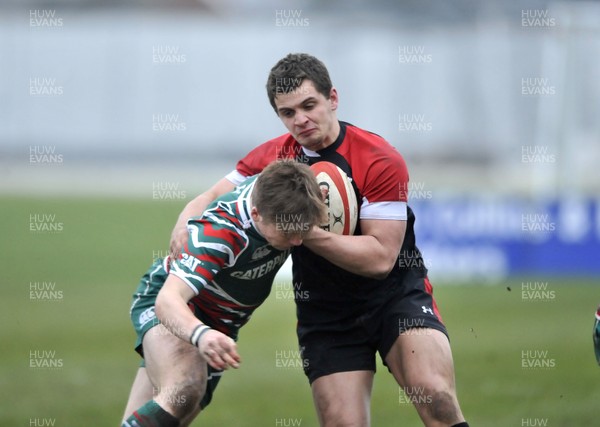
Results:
67 355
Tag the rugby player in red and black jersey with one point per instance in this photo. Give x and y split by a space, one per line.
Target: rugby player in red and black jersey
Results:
364 293
187 310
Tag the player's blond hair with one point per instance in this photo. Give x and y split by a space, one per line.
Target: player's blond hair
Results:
287 194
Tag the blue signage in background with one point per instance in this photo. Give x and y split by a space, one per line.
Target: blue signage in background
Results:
489 239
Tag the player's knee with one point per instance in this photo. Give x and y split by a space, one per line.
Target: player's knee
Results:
344 422
443 406
182 398
337 415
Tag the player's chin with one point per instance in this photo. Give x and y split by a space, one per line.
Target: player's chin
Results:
309 139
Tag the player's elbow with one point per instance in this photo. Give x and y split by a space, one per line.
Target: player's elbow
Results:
382 269
382 273
164 304
159 305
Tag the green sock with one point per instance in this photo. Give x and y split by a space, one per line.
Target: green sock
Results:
151 415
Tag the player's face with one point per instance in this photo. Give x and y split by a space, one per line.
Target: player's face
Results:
309 116
277 238
274 234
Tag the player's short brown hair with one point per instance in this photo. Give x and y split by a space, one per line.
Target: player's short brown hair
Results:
287 194
289 73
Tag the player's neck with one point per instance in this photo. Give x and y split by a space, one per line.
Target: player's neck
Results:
332 135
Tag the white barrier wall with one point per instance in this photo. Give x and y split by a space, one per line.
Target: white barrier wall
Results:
130 85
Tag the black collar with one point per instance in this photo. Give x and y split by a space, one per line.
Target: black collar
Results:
338 141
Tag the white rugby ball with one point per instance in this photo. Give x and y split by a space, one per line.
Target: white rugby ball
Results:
339 196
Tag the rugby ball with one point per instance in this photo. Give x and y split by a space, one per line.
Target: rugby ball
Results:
339 196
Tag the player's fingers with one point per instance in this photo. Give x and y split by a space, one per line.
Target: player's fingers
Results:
178 239
220 351
174 250
235 355
230 361
214 359
229 345
230 348
226 354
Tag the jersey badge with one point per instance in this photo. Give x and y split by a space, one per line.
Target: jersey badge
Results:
261 252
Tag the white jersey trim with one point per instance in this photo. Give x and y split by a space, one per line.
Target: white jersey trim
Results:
244 204
187 277
235 177
310 153
384 210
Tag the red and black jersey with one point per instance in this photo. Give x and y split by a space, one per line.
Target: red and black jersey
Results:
380 179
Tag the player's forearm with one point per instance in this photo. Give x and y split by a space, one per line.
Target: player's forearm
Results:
194 208
173 312
364 255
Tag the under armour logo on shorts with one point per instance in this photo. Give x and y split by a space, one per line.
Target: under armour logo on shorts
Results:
427 309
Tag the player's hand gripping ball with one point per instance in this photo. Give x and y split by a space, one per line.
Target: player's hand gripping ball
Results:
339 196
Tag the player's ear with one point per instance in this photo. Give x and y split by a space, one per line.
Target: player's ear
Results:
333 98
255 215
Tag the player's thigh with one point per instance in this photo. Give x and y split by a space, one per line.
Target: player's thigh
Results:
141 392
172 363
343 398
421 357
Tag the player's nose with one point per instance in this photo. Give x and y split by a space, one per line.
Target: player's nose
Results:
300 119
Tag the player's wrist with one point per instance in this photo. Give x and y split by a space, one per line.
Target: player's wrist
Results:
198 331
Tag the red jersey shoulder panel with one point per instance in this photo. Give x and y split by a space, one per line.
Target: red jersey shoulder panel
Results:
378 169
282 147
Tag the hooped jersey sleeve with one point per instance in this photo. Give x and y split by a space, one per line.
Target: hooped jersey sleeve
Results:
212 246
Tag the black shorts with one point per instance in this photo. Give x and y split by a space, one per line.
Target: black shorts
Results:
351 345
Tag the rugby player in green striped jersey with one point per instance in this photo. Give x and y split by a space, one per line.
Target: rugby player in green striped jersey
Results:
187 311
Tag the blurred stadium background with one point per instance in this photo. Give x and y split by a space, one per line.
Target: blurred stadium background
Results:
115 114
